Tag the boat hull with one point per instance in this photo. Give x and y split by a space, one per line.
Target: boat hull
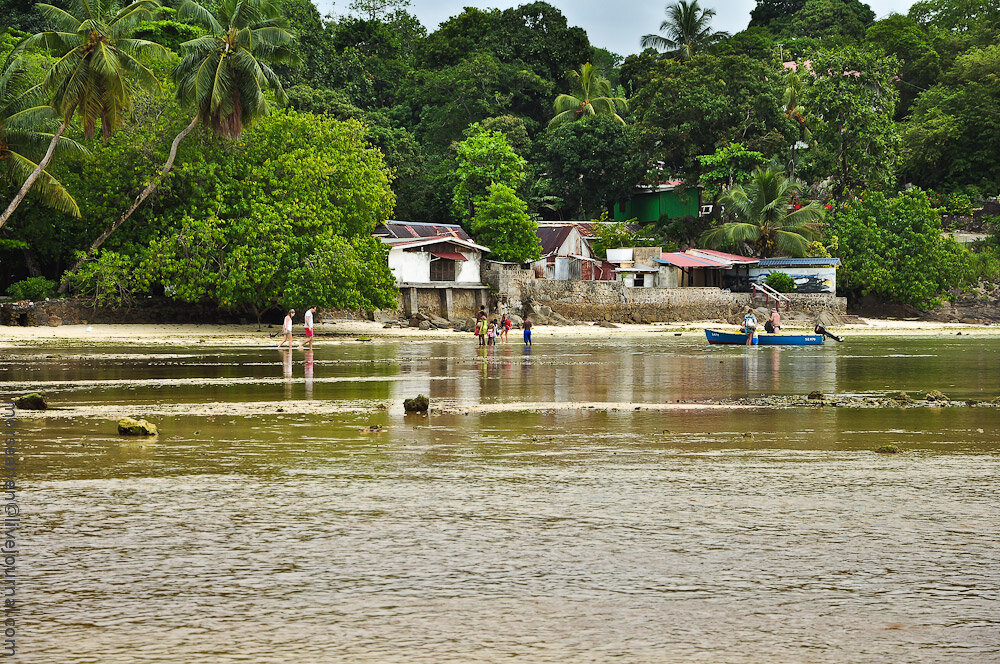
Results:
737 339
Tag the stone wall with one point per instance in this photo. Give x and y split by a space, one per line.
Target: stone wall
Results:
614 302
77 311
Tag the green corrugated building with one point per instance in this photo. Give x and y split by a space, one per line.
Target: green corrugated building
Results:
672 200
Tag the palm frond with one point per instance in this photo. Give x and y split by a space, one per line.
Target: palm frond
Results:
195 13
62 20
46 189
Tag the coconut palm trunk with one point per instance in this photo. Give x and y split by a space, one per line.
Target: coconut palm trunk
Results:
150 188
35 174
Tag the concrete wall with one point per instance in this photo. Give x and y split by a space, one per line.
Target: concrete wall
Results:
616 302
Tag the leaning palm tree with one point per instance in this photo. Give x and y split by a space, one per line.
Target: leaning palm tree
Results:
224 75
23 121
99 69
591 95
763 220
687 29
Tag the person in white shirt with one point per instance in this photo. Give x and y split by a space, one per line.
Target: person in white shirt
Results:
309 327
286 329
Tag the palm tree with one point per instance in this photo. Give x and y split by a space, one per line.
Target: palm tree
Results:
687 29
591 96
98 71
764 222
223 75
23 120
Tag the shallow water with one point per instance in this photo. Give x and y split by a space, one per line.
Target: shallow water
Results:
248 534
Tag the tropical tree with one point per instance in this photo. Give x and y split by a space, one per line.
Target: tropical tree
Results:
763 220
99 70
687 30
224 75
591 95
796 112
23 120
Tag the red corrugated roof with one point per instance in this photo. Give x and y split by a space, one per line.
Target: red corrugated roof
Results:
450 255
733 258
680 259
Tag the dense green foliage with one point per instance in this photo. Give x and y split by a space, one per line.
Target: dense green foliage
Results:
459 122
893 247
502 223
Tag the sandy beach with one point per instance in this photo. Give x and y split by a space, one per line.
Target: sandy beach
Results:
349 331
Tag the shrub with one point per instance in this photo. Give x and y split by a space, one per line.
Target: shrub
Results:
110 280
32 288
780 282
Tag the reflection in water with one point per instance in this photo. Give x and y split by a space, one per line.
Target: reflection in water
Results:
310 367
584 535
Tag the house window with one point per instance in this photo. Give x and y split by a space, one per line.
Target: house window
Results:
442 269
639 280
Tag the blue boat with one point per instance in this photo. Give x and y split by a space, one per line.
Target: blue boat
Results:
739 339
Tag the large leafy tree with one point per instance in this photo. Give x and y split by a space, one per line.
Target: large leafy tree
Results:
952 136
502 223
914 47
589 165
484 158
894 248
762 220
774 14
686 30
830 18
690 108
290 223
590 95
854 138
23 139
99 69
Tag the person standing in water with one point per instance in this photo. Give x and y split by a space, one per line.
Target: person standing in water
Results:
309 326
750 325
527 331
286 329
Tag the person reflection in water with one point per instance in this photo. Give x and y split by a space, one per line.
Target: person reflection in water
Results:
310 365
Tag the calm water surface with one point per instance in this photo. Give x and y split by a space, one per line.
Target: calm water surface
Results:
551 535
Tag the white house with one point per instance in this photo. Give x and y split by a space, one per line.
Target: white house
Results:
437 267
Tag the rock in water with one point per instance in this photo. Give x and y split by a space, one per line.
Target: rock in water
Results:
815 394
130 427
418 404
888 449
33 401
936 395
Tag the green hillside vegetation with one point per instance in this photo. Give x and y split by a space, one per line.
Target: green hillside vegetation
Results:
241 153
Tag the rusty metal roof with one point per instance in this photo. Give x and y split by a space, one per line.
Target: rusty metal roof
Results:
419 229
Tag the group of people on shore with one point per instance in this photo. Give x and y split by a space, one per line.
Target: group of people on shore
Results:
286 328
489 330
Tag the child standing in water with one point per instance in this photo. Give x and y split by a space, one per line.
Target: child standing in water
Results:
286 329
527 331
309 326
491 333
